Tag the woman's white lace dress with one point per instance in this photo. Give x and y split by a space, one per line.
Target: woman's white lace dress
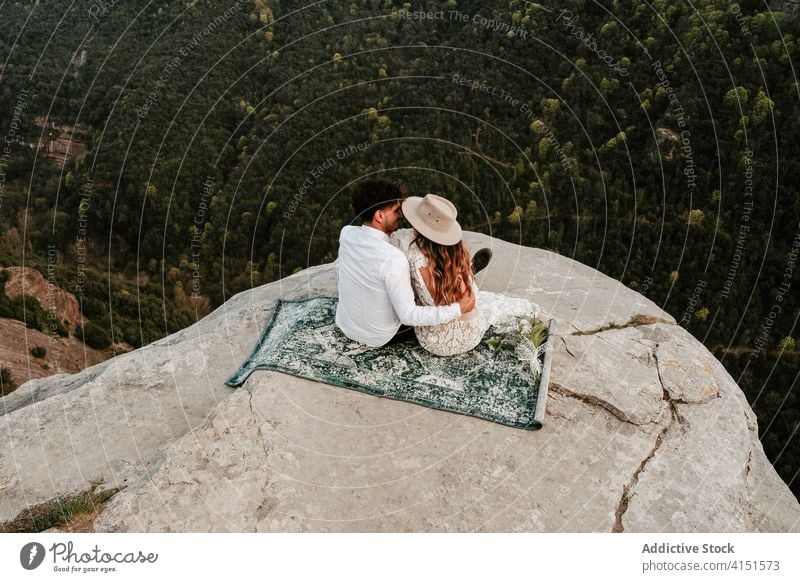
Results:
455 337
460 335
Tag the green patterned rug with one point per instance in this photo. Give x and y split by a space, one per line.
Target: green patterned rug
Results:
302 339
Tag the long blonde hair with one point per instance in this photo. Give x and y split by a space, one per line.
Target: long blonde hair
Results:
451 269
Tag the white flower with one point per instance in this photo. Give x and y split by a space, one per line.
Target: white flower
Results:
505 327
529 354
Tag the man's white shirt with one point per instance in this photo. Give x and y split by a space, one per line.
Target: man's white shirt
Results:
375 294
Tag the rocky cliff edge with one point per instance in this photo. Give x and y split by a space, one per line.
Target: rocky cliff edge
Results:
645 431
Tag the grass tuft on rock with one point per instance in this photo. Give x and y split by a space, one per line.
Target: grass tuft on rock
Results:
74 513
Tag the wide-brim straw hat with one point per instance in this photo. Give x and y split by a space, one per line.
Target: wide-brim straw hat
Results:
434 218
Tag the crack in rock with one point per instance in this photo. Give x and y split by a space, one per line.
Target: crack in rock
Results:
566 347
705 395
667 395
634 321
265 505
746 470
258 420
556 397
593 401
622 506
187 480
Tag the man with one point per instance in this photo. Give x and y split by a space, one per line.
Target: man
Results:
375 294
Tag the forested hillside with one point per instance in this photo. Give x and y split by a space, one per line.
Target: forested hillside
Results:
658 142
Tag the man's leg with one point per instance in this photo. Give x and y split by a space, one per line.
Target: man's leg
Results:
404 334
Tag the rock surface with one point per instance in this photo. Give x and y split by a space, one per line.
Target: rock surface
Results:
645 431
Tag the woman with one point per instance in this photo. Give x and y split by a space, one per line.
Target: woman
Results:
441 272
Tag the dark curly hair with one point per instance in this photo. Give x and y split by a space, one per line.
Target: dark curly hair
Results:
370 196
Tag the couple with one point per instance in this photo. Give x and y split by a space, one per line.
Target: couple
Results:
393 283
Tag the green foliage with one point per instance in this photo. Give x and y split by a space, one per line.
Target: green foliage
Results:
7 385
736 97
24 308
787 344
93 335
62 511
763 108
538 334
516 215
38 352
533 330
696 216
60 328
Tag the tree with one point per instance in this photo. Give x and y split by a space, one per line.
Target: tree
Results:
93 336
736 97
763 107
7 385
516 215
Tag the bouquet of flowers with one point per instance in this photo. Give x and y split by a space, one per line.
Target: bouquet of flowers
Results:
526 337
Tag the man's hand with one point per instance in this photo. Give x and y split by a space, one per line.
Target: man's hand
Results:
467 302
